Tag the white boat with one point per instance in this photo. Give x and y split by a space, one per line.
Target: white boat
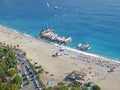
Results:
56 7
84 47
48 4
52 36
67 40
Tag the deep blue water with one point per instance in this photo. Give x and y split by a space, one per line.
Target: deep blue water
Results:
88 21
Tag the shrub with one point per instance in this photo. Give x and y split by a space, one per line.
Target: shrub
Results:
96 87
4 87
14 87
76 86
11 72
61 86
38 67
85 89
28 81
24 53
17 79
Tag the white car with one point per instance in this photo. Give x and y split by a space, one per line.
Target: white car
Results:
21 85
40 89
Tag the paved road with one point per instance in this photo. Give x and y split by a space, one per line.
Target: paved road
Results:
26 72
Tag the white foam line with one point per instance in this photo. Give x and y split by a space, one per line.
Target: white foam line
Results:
68 48
16 31
13 30
27 35
85 53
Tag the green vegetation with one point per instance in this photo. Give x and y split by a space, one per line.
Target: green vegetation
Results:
96 87
28 81
17 79
4 87
17 46
60 86
14 87
24 53
9 87
41 82
11 72
40 70
74 86
85 89
38 67
7 61
9 80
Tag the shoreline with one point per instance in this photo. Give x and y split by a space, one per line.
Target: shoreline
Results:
89 54
68 48
41 51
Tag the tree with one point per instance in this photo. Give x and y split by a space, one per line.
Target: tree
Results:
85 89
40 71
11 72
14 87
4 87
17 45
0 80
96 87
17 79
0 43
5 51
2 70
1 55
61 86
24 53
4 44
14 46
76 86
11 60
49 88
10 46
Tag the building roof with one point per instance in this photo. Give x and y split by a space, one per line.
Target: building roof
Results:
77 75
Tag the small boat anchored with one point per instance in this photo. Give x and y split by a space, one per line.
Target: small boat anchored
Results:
84 47
47 4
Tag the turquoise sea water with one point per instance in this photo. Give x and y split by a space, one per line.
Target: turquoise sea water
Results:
87 21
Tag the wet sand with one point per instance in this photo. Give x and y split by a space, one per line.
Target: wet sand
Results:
41 52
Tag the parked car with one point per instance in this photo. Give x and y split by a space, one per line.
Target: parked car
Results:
27 66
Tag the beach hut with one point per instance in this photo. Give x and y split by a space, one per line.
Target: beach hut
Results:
77 76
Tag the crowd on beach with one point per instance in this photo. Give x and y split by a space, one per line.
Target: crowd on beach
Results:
91 58
103 62
97 67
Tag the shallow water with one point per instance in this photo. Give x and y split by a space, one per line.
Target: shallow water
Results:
87 21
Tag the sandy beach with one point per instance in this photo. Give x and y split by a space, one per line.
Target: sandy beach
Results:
59 67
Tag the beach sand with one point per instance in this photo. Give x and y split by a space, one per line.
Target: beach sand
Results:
59 67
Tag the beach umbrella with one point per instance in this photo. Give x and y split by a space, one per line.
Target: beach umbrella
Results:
48 82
